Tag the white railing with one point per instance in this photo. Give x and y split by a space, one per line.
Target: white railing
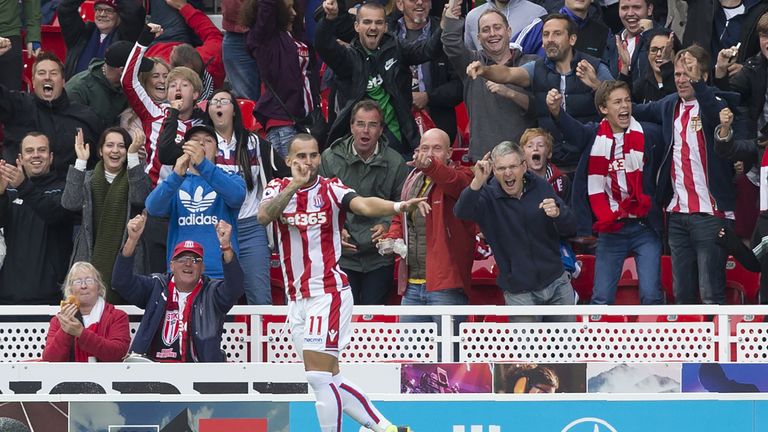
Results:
736 326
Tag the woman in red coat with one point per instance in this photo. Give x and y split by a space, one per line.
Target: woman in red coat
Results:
95 331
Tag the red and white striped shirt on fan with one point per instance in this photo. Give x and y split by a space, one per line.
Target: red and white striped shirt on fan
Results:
689 165
303 51
151 115
309 237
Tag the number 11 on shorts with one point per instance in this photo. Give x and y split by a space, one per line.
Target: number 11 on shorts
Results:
312 320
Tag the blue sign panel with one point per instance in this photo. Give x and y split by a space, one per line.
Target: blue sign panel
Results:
565 416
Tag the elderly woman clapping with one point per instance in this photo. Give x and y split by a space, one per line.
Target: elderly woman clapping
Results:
87 328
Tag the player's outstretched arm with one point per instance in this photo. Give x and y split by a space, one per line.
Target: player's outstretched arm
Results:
377 207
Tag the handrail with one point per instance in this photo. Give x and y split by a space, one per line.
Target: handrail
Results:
463 310
448 338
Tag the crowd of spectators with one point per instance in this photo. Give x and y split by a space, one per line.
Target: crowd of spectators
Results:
629 128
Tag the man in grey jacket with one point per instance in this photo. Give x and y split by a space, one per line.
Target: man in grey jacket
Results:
364 162
497 112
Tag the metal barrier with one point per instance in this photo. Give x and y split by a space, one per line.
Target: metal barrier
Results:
674 338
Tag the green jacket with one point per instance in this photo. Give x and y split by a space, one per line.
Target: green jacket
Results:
10 18
91 88
383 176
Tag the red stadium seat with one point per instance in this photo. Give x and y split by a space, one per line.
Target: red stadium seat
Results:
462 126
53 41
745 282
611 318
27 72
461 156
666 278
87 12
586 280
246 111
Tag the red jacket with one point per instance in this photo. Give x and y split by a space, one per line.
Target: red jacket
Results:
210 50
450 240
109 343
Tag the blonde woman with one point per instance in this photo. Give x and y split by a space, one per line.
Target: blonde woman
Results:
87 328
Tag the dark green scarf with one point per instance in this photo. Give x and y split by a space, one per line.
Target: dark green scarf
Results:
110 205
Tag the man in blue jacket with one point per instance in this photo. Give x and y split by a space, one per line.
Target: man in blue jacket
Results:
694 183
184 310
522 219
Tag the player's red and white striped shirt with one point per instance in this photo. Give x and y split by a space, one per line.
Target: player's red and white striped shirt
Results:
689 164
151 115
309 237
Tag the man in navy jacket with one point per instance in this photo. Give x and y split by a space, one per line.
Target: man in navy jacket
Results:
522 219
184 310
693 183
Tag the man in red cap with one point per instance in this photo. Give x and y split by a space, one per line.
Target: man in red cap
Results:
184 310
114 20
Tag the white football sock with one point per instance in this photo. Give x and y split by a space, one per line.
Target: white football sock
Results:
328 400
357 405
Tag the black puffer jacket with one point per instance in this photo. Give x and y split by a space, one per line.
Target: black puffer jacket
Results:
353 66
38 237
58 120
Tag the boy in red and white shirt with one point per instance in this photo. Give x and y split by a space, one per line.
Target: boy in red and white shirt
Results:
183 87
309 212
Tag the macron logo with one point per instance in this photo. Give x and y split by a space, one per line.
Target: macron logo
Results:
332 334
197 203
388 65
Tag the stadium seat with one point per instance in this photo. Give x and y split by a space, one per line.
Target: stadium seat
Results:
462 126
611 318
276 279
27 72
53 41
246 111
584 283
666 278
461 156
87 11
742 280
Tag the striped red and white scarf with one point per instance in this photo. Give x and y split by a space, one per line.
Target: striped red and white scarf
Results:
616 193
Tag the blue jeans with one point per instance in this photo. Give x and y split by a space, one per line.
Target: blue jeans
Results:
241 68
697 259
417 295
612 248
559 292
280 137
254 259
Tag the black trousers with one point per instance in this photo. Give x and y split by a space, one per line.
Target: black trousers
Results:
373 287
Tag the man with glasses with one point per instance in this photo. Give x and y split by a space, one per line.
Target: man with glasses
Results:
523 220
184 310
114 20
365 162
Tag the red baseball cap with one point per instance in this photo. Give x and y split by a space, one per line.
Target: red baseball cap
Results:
188 246
110 3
